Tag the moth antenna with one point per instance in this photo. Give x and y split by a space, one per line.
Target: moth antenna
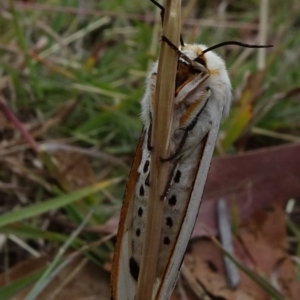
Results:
181 41
166 40
162 15
235 43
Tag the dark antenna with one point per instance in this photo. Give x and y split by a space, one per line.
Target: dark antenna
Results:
159 6
162 15
235 43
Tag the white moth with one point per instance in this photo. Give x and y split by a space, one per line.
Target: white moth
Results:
202 95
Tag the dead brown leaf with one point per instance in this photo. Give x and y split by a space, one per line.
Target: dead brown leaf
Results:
252 181
261 245
75 167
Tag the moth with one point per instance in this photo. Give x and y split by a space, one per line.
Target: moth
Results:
202 95
202 89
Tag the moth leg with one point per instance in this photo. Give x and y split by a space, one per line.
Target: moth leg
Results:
162 15
149 134
162 10
169 182
188 121
152 95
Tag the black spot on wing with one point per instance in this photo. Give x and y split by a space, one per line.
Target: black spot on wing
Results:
134 268
142 190
177 176
140 211
166 240
169 221
146 166
138 232
172 200
147 181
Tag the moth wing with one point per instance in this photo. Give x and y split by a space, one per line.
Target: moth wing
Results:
123 285
173 268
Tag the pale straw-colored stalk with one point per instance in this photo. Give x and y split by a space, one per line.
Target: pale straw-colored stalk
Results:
262 37
162 120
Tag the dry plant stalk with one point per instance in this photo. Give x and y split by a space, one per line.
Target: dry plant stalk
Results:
161 130
262 37
188 91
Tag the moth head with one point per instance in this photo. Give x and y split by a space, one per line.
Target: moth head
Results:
218 80
208 59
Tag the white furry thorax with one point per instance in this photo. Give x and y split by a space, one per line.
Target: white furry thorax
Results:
218 81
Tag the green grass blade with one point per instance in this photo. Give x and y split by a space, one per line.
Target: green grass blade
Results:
47 276
8 291
22 43
30 232
55 203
